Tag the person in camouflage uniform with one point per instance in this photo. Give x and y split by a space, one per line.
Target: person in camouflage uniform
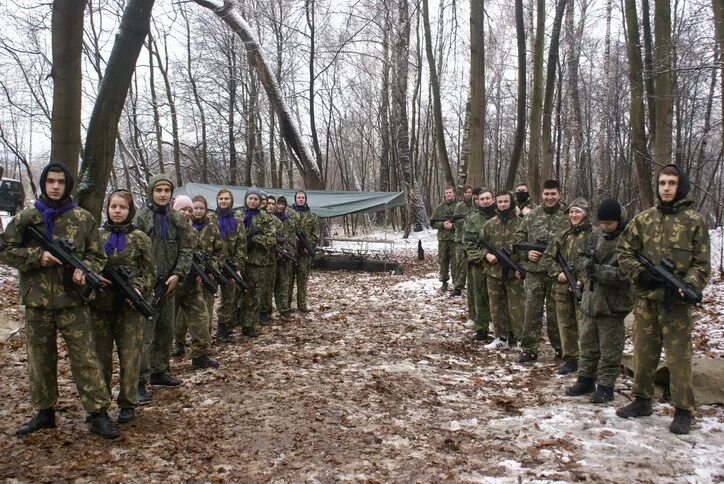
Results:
286 239
442 220
191 311
266 303
607 299
215 249
116 320
675 231
260 239
172 246
233 234
472 232
50 294
306 224
523 203
568 243
462 209
505 289
543 223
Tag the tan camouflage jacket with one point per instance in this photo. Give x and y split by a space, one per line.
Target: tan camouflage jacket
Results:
306 222
445 209
681 237
45 287
472 231
569 243
235 244
540 224
464 207
500 233
286 235
260 245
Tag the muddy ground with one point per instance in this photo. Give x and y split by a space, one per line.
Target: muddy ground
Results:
379 383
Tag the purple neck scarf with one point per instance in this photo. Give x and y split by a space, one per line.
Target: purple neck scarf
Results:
283 216
49 215
248 214
200 224
227 222
160 219
117 241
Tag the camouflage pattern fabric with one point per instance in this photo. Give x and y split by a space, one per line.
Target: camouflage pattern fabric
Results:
266 303
472 231
464 207
446 258
209 301
306 222
192 315
286 238
445 209
229 296
258 248
602 341
540 224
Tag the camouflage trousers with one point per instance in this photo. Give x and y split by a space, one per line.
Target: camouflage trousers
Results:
478 285
249 304
568 316
192 317
301 276
229 298
655 327
602 340
209 301
73 323
284 273
461 267
157 339
125 327
470 292
506 307
267 289
538 295
446 258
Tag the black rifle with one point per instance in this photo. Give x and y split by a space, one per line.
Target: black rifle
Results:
672 283
448 218
503 257
285 254
538 246
198 270
120 278
159 288
570 278
302 239
229 270
63 251
205 262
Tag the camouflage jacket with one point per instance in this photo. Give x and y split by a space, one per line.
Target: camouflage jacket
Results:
501 233
540 225
261 237
680 236
445 209
137 257
234 244
173 253
306 222
520 207
272 257
606 291
207 240
472 232
465 208
568 243
286 235
47 287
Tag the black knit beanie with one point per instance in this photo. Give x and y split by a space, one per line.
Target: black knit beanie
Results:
609 210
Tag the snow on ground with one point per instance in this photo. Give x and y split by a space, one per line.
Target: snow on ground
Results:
5 219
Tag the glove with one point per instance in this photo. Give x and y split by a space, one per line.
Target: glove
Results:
650 280
591 267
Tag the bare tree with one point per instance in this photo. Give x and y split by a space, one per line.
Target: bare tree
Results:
476 126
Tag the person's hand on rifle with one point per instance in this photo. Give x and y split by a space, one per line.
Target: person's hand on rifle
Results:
47 260
561 277
171 284
105 282
78 277
448 225
518 275
129 302
534 255
491 258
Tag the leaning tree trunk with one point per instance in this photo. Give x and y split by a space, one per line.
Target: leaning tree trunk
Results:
226 10
67 40
476 126
663 82
100 141
520 117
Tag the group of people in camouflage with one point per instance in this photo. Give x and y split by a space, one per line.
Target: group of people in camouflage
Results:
155 247
584 313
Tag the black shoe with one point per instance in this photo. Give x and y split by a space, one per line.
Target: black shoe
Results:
101 425
582 386
512 342
125 415
602 395
570 366
179 349
682 422
640 407
456 292
222 333
142 395
527 357
443 288
164 380
287 315
44 419
481 335
204 362
250 332
264 319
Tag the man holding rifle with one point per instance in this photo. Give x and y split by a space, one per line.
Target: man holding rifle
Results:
306 224
674 237
50 291
443 219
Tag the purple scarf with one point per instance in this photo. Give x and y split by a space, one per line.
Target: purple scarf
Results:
248 214
283 216
49 215
200 224
160 219
115 243
227 222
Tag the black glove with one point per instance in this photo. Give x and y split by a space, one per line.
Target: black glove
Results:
650 280
591 267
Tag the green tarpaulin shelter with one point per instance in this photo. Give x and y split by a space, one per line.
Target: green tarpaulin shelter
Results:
325 203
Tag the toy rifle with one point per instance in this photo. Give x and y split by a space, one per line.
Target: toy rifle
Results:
504 259
209 267
302 240
673 285
570 278
120 278
230 271
198 270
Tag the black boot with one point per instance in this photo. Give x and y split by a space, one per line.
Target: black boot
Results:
204 361
456 292
570 366
481 335
179 349
142 395
444 286
164 380
250 332
602 395
222 333
44 419
101 425
125 415
527 357
582 386
640 407
264 319
682 422
287 315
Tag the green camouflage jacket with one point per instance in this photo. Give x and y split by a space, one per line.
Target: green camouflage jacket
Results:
501 233
262 241
235 244
286 235
540 224
306 222
606 291
45 287
472 232
568 243
465 208
137 257
445 209
680 236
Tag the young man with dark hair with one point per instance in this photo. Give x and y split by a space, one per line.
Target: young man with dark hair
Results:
307 226
462 210
673 231
442 220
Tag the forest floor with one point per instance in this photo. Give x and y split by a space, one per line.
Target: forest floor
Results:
380 382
